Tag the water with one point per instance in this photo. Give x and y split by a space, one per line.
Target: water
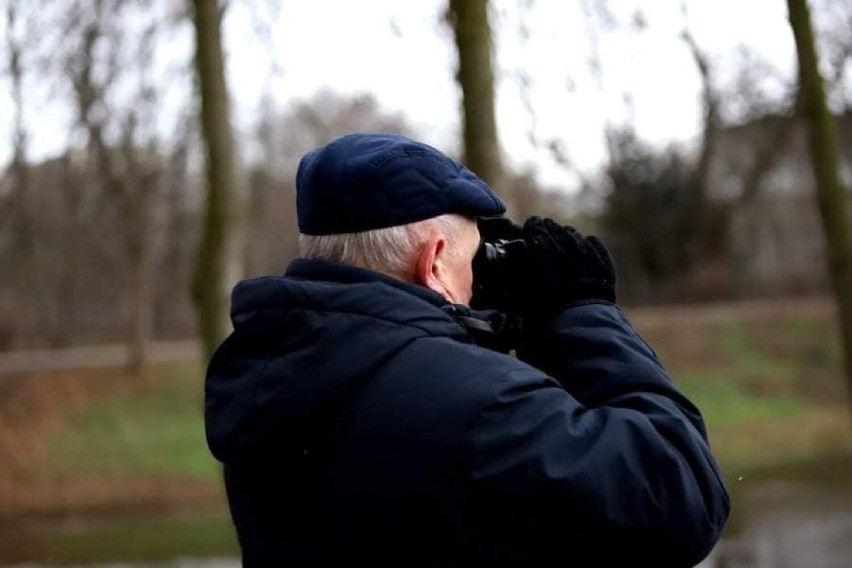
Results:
789 525
786 521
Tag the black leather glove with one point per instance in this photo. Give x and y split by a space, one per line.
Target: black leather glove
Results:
492 229
562 267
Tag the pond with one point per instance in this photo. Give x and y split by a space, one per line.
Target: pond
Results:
783 524
798 515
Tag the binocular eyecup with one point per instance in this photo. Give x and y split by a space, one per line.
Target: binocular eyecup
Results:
496 266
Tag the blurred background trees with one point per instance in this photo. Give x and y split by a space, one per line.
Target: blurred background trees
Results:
101 239
122 190
87 222
219 263
825 163
469 20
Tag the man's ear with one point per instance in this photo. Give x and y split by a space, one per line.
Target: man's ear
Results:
429 270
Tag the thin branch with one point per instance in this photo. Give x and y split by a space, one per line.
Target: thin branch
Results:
710 100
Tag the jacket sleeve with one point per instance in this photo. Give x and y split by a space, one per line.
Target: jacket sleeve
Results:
612 457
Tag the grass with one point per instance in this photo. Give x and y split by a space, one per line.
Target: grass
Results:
151 429
158 429
724 403
768 389
771 392
750 430
746 358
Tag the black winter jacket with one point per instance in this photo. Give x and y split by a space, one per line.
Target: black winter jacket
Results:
357 421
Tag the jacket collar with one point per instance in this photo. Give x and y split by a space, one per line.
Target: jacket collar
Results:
317 269
488 328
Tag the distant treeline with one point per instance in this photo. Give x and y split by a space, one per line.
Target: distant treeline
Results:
87 249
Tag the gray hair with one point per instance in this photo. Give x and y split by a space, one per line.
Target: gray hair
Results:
392 250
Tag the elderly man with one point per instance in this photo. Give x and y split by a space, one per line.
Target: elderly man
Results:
359 420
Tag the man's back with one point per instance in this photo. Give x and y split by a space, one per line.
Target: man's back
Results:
350 434
357 420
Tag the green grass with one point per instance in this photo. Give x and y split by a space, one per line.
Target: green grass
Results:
746 358
723 402
767 390
159 429
817 341
771 391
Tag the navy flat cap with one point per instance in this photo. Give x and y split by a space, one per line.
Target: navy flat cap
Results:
366 181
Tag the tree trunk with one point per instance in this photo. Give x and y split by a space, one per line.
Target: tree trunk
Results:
219 262
469 19
709 244
824 148
20 213
140 264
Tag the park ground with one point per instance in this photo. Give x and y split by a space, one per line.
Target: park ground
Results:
79 447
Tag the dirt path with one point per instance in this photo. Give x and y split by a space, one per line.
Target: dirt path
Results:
646 318
649 318
91 357
44 498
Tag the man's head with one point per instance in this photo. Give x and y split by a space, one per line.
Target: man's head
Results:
390 204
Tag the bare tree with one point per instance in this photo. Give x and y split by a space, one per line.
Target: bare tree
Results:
472 29
834 20
282 137
710 102
831 196
127 167
694 198
17 213
220 258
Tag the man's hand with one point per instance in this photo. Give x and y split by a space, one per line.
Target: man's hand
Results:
492 229
562 268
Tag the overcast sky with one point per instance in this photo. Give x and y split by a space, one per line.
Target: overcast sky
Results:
402 54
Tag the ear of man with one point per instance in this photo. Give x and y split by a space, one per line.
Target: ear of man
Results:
431 266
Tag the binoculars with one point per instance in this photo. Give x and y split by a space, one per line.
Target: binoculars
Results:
497 266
